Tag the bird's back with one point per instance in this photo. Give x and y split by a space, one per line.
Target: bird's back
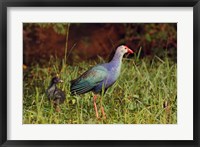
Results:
89 80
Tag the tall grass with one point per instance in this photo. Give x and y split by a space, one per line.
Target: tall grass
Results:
145 93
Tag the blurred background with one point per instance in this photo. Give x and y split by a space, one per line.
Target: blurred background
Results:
86 41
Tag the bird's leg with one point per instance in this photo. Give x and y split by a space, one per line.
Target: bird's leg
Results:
104 114
56 105
57 109
102 110
95 106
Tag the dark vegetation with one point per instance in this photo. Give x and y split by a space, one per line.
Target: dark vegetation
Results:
86 41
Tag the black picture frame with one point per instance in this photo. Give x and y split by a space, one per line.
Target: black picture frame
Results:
4 4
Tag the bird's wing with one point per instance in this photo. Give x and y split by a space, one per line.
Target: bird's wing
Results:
59 94
88 80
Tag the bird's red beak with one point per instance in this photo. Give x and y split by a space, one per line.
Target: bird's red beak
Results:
129 50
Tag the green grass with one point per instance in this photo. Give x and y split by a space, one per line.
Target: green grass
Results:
145 93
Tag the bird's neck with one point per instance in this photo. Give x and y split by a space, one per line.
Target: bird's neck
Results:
117 59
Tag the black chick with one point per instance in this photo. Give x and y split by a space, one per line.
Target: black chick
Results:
55 94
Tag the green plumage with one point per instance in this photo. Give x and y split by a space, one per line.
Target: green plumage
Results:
88 80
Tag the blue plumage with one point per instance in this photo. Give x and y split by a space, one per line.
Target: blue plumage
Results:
100 76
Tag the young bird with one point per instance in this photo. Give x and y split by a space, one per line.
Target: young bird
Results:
54 94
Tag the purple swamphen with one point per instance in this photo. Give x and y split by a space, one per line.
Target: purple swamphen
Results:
54 94
100 76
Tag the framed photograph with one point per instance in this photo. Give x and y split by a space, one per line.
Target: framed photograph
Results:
104 73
